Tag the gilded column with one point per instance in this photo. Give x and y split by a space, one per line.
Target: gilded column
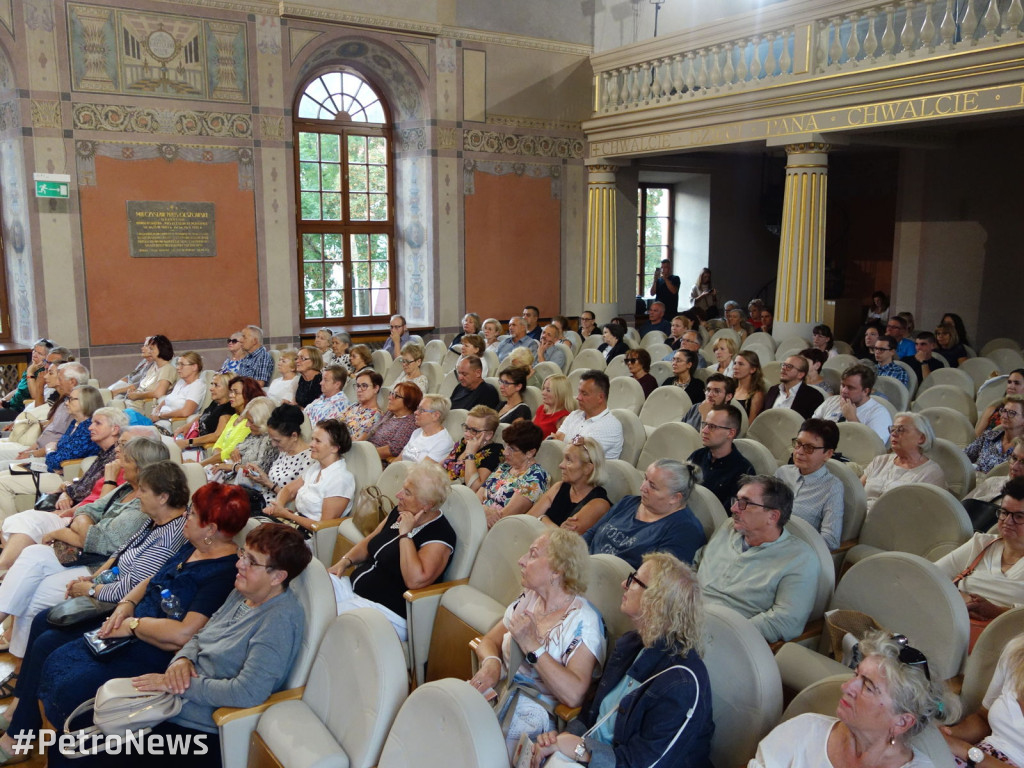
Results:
800 289
601 289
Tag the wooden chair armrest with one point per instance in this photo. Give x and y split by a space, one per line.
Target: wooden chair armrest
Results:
319 525
845 546
811 630
227 714
567 713
412 595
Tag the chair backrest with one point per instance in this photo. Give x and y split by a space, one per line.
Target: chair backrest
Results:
633 435
434 376
906 593
587 359
764 354
982 660
435 351
707 509
724 333
549 456
980 369
605 575
790 346
858 442
762 339
195 476
314 591
574 338
465 514
381 361
393 372
616 368
959 472
771 371
531 396
954 377
1006 359
887 405
826 569
391 479
842 347
840 362
449 361
356 687
664 405
659 351
652 337
919 518
496 572
491 357
1000 343
621 479
775 430
451 710
915 382
661 370
949 396
626 393
363 462
855 500
456 418
632 335
832 378
746 689
575 377
593 341
992 391
893 391
545 369
172 448
763 460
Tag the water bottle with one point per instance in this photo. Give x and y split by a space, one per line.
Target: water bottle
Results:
171 605
108 576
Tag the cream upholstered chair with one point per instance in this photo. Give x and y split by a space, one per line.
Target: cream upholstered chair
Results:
621 479
764 353
381 361
724 333
356 687
1006 359
903 593
589 359
771 370
434 374
746 689
626 393
549 456
822 697
389 482
545 369
1001 342
855 508
593 341
981 369
195 475
449 361
651 338
573 338
435 351
886 404
982 660
840 362
314 591
893 391
959 472
758 455
471 609
760 338
707 509
664 405
661 370
465 513
617 368
949 396
992 391
659 351
803 530
633 434
950 424
672 440
859 443
456 418
790 346
775 429
917 517
953 377
445 724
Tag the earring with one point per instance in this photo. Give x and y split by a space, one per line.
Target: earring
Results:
892 739
207 540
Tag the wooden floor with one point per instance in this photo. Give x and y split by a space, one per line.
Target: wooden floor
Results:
6 666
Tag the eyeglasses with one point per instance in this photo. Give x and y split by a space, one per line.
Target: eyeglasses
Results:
505 383
882 349
712 391
245 557
394 396
741 504
299 359
233 341
426 410
634 579
472 430
1015 459
1017 518
805 447
403 361
630 360
1008 412
709 425
396 327
580 442
362 386
190 511
898 429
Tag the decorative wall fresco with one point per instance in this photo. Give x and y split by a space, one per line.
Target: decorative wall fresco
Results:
495 142
87 151
156 54
179 122
536 170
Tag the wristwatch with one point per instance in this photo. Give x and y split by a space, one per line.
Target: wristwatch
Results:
580 752
974 756
92 591
532 656
133 624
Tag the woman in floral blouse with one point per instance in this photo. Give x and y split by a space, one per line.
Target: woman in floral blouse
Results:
518 482
394 430
476 455
362 416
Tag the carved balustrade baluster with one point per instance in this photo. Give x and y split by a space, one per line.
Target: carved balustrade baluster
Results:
677 74
715 75
969 23
634 85
691 73
948 26
645 83
992 19
889 36
702 73
928 28
728 71
853 44
908 37
755 60
742 71
835 51
871 38
785 60
1014 16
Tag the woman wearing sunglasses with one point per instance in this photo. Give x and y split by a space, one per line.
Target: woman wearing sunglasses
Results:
653 704
638 363
891 699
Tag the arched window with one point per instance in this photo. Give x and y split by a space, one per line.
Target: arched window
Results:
345 190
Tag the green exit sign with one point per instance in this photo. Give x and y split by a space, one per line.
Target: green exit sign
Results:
52 185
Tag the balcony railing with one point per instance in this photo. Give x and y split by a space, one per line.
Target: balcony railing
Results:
796 42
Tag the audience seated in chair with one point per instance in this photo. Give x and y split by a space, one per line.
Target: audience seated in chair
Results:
854 403
995 445
817 493
718 390
472 390
593 418
792 391
577 501
720 462
912 437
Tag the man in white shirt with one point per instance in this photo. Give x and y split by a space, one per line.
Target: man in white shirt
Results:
593 419
790 392
854 403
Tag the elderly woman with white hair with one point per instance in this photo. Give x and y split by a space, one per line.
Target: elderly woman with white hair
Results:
911 437
256 448
653 703
408 550
890 699
430 440
340 344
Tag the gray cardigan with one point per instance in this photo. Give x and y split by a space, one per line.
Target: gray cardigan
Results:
242 656
114 521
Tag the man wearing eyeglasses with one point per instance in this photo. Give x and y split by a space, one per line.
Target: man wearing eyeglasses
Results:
790 392
398 336
758 568
885 357
897 328
691 340
718 390
719 460
980 502
817 493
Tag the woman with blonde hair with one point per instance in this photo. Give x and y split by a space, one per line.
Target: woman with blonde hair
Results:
187 393
283 387
559 632
308 366
411 360
476 455
653 704
725 352
577 501
491 331
746 367
556 402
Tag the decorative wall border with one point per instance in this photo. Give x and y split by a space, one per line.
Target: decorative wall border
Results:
120 118
514 121
86 152
496 142
499 168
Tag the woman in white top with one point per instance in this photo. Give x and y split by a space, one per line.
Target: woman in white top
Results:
994 735
187 393
158 380
282 389
890 700
492 333
725 353
430 440
911 437
324 490
322 341
411 360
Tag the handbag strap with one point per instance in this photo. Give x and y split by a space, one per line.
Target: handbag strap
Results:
970 568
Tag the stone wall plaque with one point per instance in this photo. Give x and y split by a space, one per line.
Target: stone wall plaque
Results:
159 229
